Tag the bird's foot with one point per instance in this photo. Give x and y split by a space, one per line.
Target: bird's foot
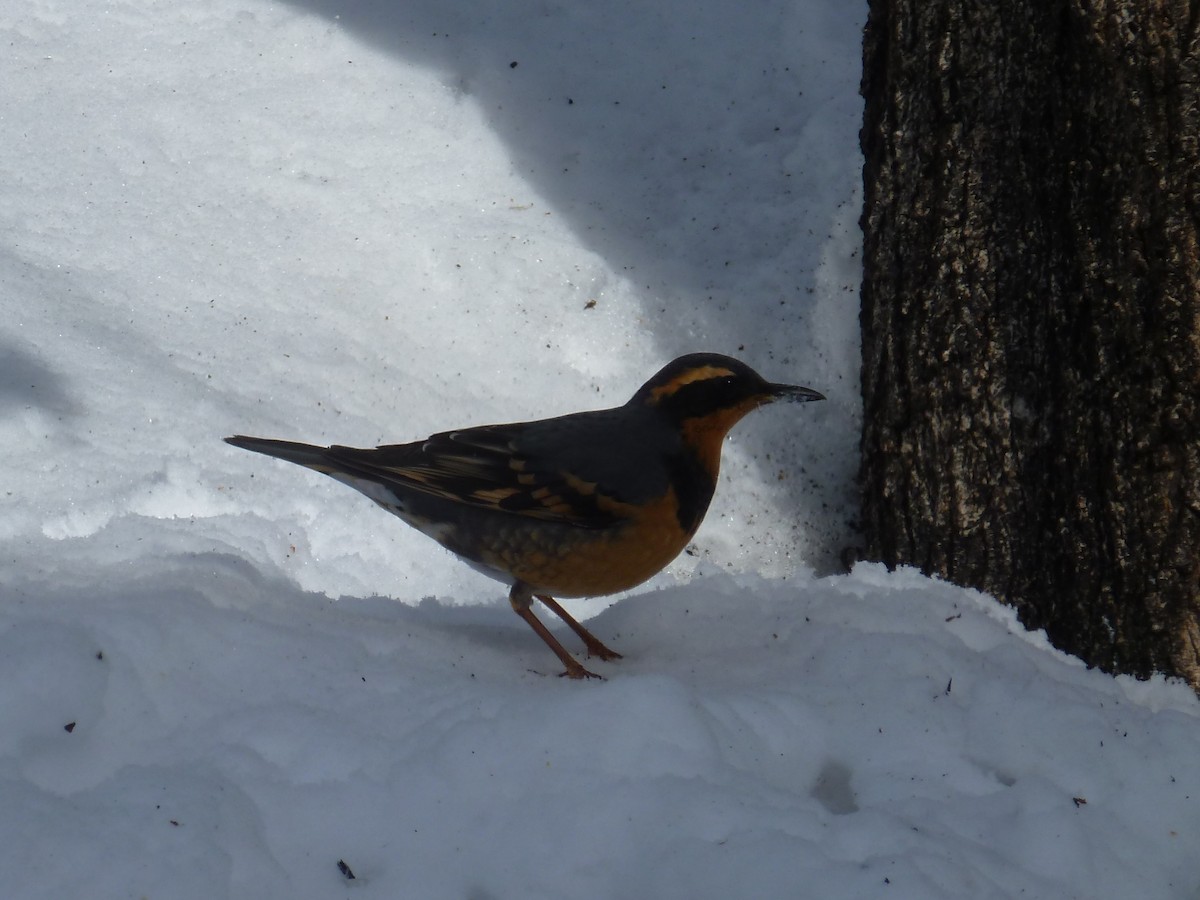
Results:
577 672
598 650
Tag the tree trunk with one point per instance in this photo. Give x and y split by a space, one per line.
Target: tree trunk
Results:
1031 313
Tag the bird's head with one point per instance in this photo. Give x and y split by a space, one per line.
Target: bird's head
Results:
706 394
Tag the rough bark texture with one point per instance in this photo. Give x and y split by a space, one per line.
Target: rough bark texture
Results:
1031 313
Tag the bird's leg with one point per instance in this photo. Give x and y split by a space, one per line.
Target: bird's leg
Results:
522 599
594 646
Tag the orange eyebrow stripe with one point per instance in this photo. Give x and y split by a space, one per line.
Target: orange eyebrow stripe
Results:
701 373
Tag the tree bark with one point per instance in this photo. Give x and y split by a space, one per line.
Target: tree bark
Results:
1031 313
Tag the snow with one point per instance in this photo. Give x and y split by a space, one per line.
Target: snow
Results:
358 223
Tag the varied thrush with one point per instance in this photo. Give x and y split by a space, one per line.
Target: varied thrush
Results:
581 505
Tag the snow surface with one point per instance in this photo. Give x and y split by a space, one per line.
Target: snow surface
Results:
360 222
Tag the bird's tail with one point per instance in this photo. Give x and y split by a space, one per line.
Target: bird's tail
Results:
302 454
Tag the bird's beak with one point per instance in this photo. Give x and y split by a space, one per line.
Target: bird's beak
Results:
793 393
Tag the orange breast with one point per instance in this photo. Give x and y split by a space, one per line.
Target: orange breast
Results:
574 562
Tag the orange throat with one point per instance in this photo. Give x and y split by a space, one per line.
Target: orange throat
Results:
706 434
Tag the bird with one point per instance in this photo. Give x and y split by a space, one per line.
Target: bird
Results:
581 505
